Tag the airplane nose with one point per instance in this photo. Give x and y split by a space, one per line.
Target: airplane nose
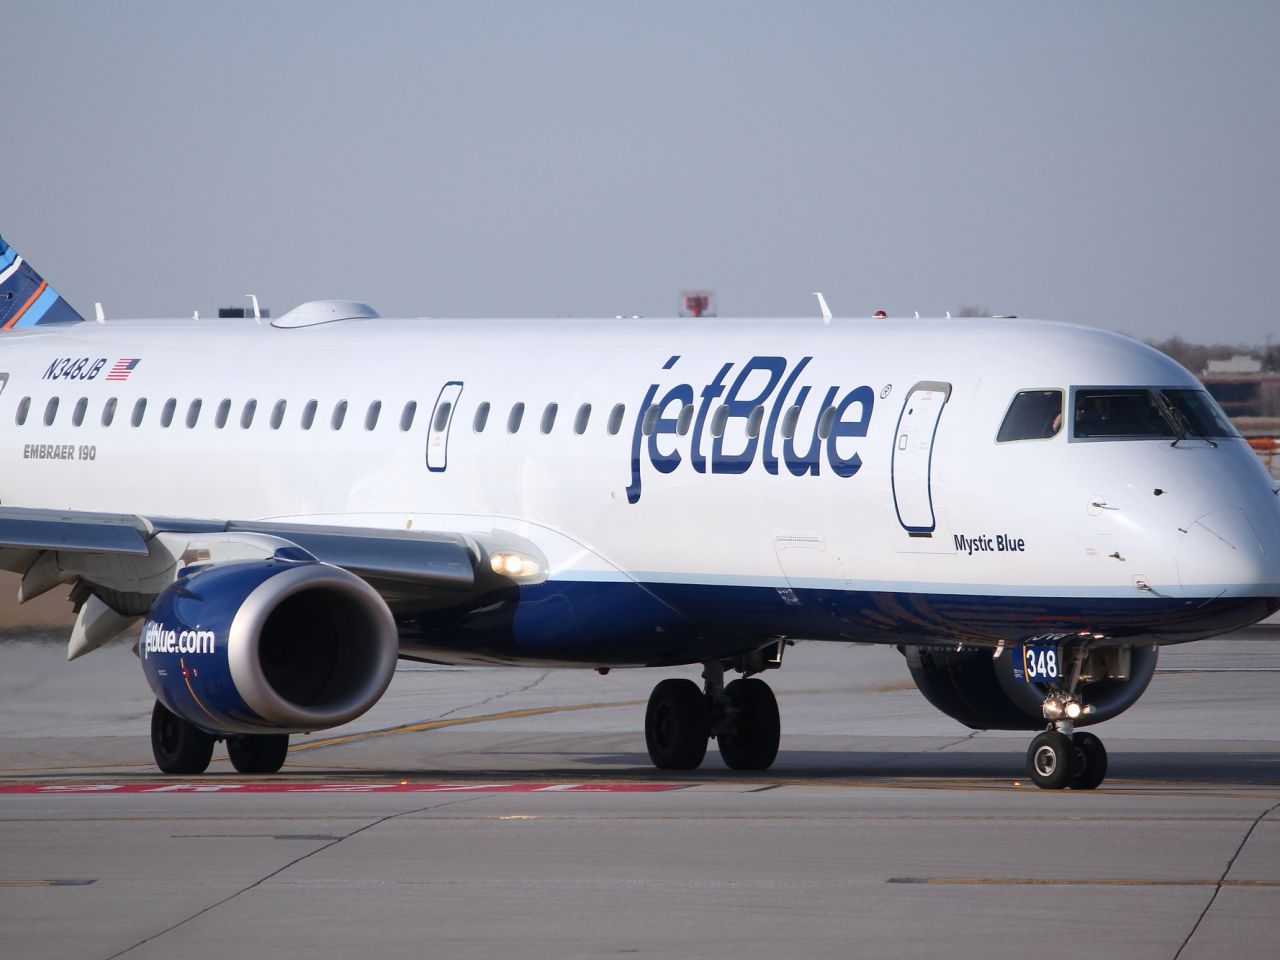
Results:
1222 555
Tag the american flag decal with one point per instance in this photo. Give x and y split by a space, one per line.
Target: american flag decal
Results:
124 366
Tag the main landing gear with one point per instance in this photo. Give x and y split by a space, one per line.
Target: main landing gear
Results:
183 748
741 716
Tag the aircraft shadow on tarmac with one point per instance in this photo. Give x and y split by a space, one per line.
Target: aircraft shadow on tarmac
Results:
1152 766
1255 768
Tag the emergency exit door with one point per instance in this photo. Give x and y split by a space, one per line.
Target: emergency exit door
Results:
913 456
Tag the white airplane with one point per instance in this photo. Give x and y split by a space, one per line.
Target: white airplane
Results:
1026 510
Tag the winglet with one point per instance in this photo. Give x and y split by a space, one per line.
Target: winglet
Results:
822 305
26 299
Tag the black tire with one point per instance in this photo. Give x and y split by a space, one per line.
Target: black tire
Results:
258 753
1051 760
177 745
676 725
1091 757
751 743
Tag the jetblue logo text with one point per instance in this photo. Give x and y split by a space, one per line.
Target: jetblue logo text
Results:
674 430
75 368
156 639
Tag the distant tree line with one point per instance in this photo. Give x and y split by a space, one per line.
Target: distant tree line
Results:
1196 356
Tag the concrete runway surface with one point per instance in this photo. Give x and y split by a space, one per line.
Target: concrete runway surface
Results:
505 812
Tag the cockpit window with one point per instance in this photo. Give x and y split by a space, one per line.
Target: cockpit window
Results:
1203 416
1112 413
1033 415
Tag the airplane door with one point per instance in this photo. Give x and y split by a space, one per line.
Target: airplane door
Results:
438 430
913 456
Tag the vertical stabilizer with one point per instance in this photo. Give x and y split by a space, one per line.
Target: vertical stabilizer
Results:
25 298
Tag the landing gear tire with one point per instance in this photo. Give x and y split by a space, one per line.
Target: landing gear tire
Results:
676 725
258 753
751 742
1091 761
177 745
1051 760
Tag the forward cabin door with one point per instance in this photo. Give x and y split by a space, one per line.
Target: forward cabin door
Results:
438 429
913 456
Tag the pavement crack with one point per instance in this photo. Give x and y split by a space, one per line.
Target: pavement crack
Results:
292 863
890 758
497 696
1225 873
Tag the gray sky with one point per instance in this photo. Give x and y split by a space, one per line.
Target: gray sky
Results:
1113 164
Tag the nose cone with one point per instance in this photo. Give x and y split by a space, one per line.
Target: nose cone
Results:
1222 555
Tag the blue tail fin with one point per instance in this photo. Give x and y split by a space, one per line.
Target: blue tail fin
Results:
25 298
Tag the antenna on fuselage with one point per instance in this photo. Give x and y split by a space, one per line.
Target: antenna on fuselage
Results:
98 313
257 314
822 305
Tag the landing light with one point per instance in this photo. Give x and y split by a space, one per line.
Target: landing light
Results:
508 563
1072 710
1052 708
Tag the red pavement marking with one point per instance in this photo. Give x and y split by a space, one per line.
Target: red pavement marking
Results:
66 788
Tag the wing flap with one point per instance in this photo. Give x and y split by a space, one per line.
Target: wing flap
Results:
72 532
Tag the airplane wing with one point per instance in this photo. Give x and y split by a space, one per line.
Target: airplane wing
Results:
119 563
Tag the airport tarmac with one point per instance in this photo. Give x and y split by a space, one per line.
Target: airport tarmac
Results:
504 812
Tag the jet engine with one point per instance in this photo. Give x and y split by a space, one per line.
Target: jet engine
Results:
990 693
274 645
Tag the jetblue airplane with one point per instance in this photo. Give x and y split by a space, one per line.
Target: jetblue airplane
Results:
279 509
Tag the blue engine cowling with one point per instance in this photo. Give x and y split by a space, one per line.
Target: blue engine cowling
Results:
276 645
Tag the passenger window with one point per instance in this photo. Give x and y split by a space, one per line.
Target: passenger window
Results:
549 417
339 415
789 421
1033 415
223 412
371 418
685 420
406 417
193 413
309 414
757 417
517 414
24 407
481 418
77 415
139 411
582 419
167 411
1116 413
442 417
109 412
277 414
650 420
50 411
719 419
615 418
826 422
246 415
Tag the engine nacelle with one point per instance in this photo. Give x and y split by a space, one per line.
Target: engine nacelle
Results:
278 645
985 693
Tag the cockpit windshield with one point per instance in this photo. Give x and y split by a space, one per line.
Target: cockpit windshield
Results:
1137 413
1203 416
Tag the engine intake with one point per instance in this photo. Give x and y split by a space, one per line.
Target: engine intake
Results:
278 645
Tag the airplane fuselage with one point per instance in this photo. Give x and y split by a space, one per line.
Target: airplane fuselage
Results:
699 487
